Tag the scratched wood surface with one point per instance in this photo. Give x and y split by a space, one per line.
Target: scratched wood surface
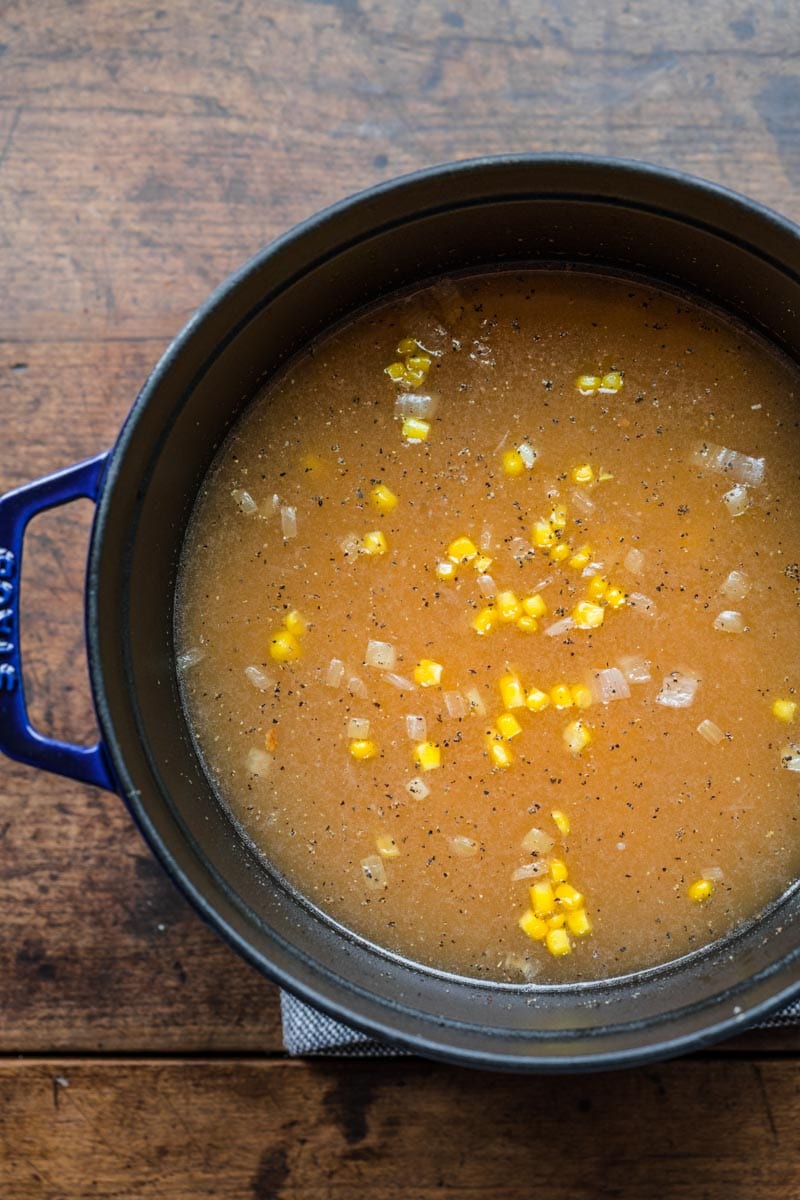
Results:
145 152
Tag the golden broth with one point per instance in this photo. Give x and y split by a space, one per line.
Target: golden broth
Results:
653 805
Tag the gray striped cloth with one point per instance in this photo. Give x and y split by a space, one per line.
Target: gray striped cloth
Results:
307 1031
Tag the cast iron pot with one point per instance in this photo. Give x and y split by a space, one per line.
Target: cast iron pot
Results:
619 215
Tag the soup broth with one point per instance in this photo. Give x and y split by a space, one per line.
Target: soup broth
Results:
487 625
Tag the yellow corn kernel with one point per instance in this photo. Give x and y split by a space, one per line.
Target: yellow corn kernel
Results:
558 943
374 543
587 615
462 550
414 376
577 736
446 571
615 597
561 821
499 752
407 345
511 691
415 429
568 897
597 587
560 552
396 371
611 381
543 901
420 362
482 563
557 921
561 696
581 558
295 623
534 926
363 748
428 756
507 606
784 710
312 465
583 474
558 871
581 695
558 517
284 646
604 476
578 923
508 726
700 890
382 498
534 606
386 846
484 621
587 385
527 624
513 463
428 673
543 536
536 700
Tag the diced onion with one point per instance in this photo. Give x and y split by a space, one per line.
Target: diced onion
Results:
609 684
536 841
380 654
582 501
519 548
634 561
416 727
259 679
635 668
246 503
374 872
737 500
335 673
189 658
528 968
485 540
678 690
288 521
350 545
527 454
487 586
559 627
716 874
711 732
463 847
414 404
529 870
730 621
790 758
592 568
455 704
741 468
258 762
475 700
357 687
400 682
643 604
735 586
358 728
418 788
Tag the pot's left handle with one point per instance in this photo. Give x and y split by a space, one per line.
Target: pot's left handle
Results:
18 738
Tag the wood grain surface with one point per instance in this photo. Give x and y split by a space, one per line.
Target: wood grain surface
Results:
145 151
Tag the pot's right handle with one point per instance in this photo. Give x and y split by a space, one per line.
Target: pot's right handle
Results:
18 738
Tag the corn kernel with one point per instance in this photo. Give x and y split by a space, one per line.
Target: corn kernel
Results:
374 543
420 362
558 871
611 381
578 923
558 921
561 696
784 710
615 597
577 736
568 897
482 563
581 558
537 700
604 476
561 821
484 621
363 748
534 606
414 375
446 571
543 901
312 465
507 606
534 926
428 673
386 846
527 624
700 890
513 463
462 550
508 726
284 646
597 587
543 536
416 430
396 371
383 498
407 346
583 474
581 695
428 756
558 517
558 943
499 752
587 385
587 615
560 552
511 691
295 623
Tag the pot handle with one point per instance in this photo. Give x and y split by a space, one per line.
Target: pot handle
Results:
18 738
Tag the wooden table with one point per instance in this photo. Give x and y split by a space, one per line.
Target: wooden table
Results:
145 151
